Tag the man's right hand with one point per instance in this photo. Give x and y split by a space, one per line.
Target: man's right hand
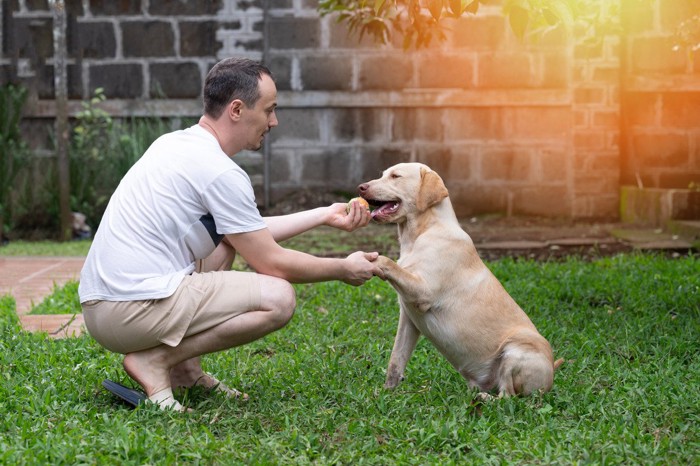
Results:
360 267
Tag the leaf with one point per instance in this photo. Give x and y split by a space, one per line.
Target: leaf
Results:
378 4
456 7
519 17
435 7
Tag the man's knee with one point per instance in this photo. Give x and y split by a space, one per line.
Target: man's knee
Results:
279 298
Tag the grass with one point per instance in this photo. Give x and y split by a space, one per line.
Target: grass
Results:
45 248
627 326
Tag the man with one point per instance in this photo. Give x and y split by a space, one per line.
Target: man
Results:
157 283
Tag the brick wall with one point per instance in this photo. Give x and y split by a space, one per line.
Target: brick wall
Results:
515 128
662 97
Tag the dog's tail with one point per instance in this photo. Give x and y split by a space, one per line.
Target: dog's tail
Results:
558 363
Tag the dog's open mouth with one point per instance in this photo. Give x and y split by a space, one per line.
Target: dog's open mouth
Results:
383 208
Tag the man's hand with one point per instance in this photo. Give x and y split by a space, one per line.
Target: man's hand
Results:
339 218
360 267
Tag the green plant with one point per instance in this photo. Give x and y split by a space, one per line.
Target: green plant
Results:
420 22
90 150
13 148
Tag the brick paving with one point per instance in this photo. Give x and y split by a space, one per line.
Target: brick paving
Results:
30 280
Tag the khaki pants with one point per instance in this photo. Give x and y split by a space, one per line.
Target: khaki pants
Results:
201 302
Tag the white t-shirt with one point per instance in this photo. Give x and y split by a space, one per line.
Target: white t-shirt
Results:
172 207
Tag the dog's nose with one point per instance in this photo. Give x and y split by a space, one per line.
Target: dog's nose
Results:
363 187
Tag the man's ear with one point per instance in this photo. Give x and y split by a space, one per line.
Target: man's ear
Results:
432 190
235 108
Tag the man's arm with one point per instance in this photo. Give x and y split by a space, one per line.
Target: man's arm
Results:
286 226
262 253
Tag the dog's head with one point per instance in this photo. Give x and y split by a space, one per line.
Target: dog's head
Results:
404 190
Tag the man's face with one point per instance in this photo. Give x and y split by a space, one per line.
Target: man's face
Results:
260 118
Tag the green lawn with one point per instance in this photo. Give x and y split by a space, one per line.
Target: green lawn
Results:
628 328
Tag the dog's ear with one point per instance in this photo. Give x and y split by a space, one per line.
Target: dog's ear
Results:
432 190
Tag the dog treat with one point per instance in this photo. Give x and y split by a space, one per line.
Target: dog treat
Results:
357 199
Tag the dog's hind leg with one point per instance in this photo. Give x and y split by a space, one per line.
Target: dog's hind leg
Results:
405 342
524 372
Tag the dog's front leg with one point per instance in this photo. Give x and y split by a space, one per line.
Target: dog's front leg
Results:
405 342
412 288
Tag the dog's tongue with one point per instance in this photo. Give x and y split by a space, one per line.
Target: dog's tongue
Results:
385 208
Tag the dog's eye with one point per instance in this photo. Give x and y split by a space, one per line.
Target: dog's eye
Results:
395 175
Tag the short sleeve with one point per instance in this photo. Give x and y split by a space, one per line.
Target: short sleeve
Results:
231 202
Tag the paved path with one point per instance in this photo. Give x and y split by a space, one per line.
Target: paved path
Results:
30 280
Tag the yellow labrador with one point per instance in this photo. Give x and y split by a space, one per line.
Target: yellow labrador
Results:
447 293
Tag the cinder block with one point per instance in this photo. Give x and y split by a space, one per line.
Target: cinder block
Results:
642 109
147 39
198 38
681 179
637 17
175 80
32 37
506 70
589 94
342 38
476 199
606 119
656 55
661 150
354 124
294 33
374 160
506 164
112 8
477 123
329 167
170 8
297 125
481 31
553 123
326 73
454 164
557 69
94 40
589 140
122 81
280 65
417 124
385 73
681 110
596 183
552 166
446 71
546 201
280 168
655 207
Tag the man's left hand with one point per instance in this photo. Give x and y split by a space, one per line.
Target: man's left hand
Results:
358 216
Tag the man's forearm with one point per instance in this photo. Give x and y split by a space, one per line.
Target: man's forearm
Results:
284 227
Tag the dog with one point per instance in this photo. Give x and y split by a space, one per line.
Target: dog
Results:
447 294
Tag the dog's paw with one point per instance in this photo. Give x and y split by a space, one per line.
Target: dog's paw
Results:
484 397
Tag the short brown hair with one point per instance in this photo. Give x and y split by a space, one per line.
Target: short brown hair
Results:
230 79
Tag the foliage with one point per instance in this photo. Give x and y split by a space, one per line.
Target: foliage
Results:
90 149
419 22
627 327
13 148
46 248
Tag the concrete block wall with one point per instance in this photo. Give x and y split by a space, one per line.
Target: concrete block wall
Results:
662 97
490 114
517 128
